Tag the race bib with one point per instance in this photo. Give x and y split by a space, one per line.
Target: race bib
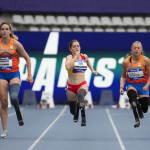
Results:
80 66
136 74
5 63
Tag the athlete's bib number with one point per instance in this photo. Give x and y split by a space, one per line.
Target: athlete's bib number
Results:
135 74
80 66
5 63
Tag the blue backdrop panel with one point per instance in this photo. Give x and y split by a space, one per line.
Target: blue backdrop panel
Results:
106 49
78 6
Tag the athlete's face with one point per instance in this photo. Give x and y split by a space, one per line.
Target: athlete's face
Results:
75 47
5 30
136 49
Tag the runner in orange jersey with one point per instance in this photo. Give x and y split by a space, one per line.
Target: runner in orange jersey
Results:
136 68
10 49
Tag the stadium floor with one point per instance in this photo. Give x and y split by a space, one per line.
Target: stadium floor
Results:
53 129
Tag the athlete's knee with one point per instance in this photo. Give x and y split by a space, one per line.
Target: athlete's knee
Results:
132 97
81 93
4 103
144 103
14 97
14 91
73 107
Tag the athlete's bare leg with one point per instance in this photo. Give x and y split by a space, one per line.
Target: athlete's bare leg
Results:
4 85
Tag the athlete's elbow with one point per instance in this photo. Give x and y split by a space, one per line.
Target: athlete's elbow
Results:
67 67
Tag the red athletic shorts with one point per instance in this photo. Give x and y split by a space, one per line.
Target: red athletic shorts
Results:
74 88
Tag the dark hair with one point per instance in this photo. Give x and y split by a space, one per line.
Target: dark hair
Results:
10 27
70 44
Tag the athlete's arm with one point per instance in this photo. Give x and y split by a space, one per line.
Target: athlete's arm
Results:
123 76
90 65
19 47
147 66
70 62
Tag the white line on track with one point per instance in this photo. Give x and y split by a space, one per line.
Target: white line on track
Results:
115 130
61 113
15 112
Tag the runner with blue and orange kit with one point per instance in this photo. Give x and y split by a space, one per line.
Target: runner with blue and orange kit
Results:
77 87
10 49
136 68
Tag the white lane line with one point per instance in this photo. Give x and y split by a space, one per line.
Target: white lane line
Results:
61 113
115 130
15 112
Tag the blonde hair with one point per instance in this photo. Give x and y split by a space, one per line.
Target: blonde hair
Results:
136 42
10 27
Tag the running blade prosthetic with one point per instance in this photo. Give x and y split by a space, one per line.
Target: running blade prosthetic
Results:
76 116
19 117
83 117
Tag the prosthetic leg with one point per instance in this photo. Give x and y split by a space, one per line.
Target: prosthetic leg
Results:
135 107
14 91
81 106
76 116
19 116
139 110
137 121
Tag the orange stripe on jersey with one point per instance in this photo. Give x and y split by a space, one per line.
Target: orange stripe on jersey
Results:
9 58
136 73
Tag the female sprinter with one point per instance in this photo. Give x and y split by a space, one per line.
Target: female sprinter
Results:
137 70
77 87
9 73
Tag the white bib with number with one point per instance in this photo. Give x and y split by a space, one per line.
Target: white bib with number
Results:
5 63
80 66
136 74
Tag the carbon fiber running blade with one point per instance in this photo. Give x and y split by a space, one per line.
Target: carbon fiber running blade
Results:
83 117
19 117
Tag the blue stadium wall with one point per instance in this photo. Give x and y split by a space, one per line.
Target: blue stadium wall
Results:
48 51
77 7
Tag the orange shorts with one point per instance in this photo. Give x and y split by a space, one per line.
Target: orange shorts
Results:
74 88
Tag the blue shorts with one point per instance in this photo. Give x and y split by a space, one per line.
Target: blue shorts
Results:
10 75
139 88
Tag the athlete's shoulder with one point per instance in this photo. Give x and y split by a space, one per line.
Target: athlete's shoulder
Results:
69 57
124 63
145 58
84 55
146 61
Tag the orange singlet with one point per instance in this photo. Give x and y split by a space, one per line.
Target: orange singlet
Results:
136 73
9 57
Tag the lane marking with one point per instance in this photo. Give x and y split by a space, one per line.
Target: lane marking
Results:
15 112
115 130
61 113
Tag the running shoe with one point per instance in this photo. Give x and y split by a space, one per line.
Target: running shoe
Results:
4 135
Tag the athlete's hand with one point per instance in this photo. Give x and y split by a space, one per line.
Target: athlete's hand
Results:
95 72
30 79
121 91
77 54
145 88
